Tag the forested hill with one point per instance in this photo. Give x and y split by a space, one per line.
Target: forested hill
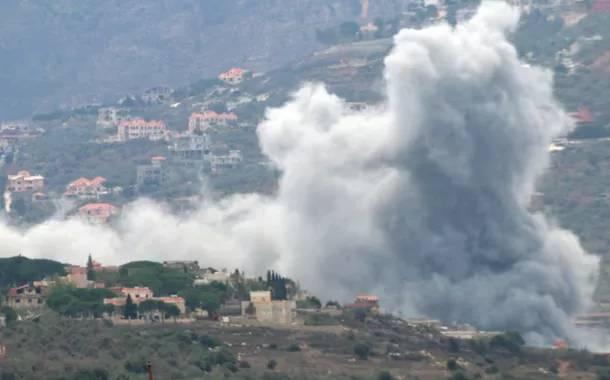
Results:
75 51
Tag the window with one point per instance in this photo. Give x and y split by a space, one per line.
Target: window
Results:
39 300
29 300
17 300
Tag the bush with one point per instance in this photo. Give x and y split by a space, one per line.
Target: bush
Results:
452 365
294 348
271 364
362 350
385 375
459 375
492 370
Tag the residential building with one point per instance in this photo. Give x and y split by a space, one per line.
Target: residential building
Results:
26 297
154 173
157 94
221 163
186 146
98 267
260 296
97 213
235 75
209 119
362 298
140 128
207 277
85 188
107 118
277 312
25 182
186 265
140 294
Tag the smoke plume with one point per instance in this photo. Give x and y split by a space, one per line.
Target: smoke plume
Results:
422 201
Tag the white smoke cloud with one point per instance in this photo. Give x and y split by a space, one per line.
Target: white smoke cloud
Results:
422 201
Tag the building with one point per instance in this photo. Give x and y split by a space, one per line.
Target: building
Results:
208 276
362 298
210 119
26 297
107 118
276 312
141 129
153 174
25 182
262 296
187 146
140 294
187 266
97 213
85 188
235 75
157 94
221 163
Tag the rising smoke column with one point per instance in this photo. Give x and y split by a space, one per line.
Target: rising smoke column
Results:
422 201
426 202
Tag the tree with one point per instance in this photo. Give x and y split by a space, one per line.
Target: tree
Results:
109 308
210 302
90 269
384 375
271 364
9 314
172 311
18 206
147 307
349 29
131 309
452 365
362 350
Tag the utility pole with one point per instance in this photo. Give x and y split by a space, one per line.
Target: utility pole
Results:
149 366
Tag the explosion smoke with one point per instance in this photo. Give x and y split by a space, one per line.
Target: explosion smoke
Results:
423 202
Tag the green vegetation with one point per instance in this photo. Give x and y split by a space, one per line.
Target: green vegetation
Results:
19 270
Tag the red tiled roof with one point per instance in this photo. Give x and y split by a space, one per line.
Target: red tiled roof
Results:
159 158
97 206
13 291
142 123
367 298
209 114
97 181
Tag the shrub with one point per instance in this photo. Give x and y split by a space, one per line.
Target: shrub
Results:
271 364
452 365
459 375
492 370
294 348
385 375
362 350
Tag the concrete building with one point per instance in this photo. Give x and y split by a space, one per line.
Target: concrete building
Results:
84 188
276 312
186 146
140 128
107 118
222 163
140 294
97 213
187 266
26 297
153 174
207 277
235 75
262 296
209 119
25 182
157 94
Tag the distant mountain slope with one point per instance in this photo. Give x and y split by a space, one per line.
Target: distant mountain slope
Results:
63 52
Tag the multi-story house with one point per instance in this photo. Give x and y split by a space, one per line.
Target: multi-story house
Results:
25 182
140 294
97 213
107 118
26 297
235 75
85 188
154 173
221 163
140 129
209 119
186 146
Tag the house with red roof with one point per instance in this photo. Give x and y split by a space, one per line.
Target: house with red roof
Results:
210 119
140 294
235 75
85 188
97 213
141 129
26 297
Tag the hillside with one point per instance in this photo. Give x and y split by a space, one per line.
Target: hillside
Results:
72 52
53 348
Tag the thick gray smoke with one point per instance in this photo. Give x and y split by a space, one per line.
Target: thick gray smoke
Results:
423 201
